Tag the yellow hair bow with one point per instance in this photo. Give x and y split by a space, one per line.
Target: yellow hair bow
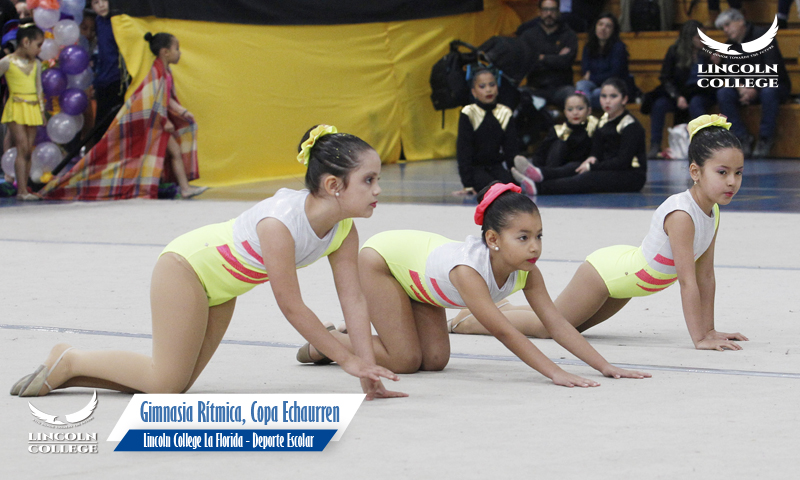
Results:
704 121
305 147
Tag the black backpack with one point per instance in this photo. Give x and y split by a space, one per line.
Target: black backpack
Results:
645 16
448 77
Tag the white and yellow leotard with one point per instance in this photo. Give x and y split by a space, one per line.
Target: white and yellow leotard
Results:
421 262
227 256
639 271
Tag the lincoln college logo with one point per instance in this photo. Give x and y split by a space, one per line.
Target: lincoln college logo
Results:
732 69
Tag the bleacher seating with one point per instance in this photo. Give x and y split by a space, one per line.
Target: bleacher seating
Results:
647 50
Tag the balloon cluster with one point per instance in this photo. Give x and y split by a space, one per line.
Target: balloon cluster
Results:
66 54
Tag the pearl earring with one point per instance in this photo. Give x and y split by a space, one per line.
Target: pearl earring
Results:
337 193
497 249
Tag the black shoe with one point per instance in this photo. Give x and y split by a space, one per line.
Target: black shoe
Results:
654 152
763 147
747 145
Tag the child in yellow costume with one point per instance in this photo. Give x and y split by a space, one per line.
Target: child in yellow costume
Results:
678 249
24 110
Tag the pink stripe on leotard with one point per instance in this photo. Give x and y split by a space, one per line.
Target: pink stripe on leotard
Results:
651 289
225 251
252 251
418 283
441 293
643 275
664 260
419 297
241 277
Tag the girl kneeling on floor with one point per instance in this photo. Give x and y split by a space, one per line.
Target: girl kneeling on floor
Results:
199 275
410 277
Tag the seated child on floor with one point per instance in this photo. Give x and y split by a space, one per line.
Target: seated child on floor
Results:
566 146
487 137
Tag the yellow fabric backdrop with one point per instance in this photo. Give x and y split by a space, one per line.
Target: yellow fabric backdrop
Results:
255 90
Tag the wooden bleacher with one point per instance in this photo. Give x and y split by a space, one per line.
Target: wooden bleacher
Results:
647 50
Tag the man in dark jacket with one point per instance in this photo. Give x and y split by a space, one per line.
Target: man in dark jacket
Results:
740 32
544 50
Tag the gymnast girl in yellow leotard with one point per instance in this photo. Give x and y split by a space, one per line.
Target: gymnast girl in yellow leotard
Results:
409 277
678 249
24 109
200 274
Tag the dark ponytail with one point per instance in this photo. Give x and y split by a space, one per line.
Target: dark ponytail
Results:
158 41
498 214
708 140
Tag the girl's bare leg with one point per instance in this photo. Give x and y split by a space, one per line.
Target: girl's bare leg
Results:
584 303
410 336
521 317
179 169
186 332
22 166
431 326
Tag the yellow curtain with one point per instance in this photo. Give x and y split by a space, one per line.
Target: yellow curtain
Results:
255 90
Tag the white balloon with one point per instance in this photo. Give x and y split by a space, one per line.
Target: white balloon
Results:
44 18
81 80
46 156
78 121
72 7
36 174
66 32
50 49
8 160
61 128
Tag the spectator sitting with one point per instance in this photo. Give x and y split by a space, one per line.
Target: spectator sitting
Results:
739 31
553 47
679 91
604 56
563 150
543 50
487 137
618 162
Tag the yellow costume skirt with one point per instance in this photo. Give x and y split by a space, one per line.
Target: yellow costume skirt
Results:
626 272
406 253
224 273
23 108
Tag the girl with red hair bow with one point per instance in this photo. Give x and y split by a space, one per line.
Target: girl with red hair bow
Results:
410 277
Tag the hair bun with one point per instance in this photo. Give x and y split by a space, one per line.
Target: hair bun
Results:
148 36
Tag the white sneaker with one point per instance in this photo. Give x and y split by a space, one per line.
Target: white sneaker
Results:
528 186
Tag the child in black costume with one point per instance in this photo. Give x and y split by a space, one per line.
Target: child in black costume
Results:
487 137
563 150
618 161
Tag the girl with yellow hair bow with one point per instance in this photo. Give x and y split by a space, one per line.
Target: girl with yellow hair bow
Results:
679 248
199 275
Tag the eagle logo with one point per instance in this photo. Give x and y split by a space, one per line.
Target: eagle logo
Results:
71 418
752 46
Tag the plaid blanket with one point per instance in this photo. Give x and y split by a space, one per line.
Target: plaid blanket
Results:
128 161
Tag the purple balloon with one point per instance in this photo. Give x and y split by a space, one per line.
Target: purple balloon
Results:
54 81
73 59
41 135
73 101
